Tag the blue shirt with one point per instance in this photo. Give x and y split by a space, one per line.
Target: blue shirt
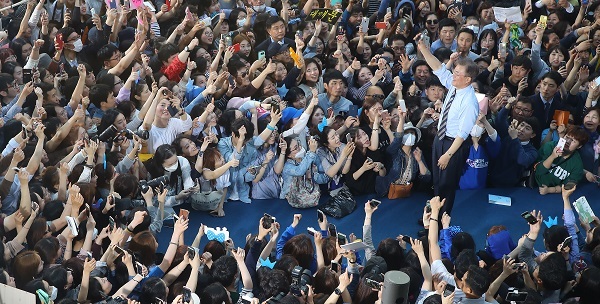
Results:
438 44
464 110
342 105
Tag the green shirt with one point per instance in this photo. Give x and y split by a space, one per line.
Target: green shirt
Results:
562 170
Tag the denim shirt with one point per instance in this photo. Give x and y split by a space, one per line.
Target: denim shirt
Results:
238 174
292 168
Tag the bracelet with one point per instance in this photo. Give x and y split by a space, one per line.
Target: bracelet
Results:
434 219
271 128
135 280
129 229
172 243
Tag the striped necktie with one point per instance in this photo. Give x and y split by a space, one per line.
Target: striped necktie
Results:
442 130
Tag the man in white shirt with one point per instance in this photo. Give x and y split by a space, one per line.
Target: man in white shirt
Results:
459 113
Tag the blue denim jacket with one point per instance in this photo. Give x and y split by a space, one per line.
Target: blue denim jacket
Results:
291 169
238 174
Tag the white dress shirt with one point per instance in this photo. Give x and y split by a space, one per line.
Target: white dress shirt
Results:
464 110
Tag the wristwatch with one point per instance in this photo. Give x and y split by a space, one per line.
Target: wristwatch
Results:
186 49
337 291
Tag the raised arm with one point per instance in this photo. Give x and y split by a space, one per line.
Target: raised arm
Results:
61 134
180 226
431 60
434 248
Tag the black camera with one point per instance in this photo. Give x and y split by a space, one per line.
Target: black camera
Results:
112 134
153 183
300 279
267 221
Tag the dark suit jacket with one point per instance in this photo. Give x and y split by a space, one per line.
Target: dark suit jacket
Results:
538 109
263 46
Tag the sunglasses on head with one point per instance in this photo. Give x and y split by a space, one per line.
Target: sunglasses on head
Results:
432 22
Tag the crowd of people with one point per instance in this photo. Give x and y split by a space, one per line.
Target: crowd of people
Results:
115 114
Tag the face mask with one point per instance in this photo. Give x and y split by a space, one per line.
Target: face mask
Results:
477 131
409 139
93 130
53 293
259 8
77 45
301 153
241 22
173 167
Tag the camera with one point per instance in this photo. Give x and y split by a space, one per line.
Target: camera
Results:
153 183
112 134
300 279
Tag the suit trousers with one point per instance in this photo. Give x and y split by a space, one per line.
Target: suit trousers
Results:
445 182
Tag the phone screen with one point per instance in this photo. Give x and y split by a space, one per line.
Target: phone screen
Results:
348 138
332 230
529 217
448 290
320 216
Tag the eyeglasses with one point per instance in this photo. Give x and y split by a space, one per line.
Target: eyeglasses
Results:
399 48
523 110
244 74
377 96
432 22
74 39
119 82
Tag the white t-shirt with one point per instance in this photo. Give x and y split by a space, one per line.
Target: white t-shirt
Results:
161 136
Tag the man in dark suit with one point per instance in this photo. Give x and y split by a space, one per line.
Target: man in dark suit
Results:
548 99
276 28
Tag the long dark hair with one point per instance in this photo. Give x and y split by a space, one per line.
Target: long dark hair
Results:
155 164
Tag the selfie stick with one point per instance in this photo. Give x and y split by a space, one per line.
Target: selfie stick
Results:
395 288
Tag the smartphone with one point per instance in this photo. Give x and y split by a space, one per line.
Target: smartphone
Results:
374 203
320 216
187 295
567 242
502 49
89 255
139 268
119 250
111 223
191 252
27 75
529 217
268 220
543 21
332 230
188 14
402 105
72 225
62 68
428 207
563 64
516 296
329 112
93 11
228 41
380 25
353 111
561 144
402 24
311 231
261 55
335 266
340 30
448 290
365 24
341 238
389 10
34 206
570 185
23 132
168 3
406 239
299 34
597 81
425 37
373 284
348 138
236 48
173 111
275 107
385 114
112 3
60 42
184 214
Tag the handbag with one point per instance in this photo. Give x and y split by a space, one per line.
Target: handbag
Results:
303 193
399 190
340 204
206 201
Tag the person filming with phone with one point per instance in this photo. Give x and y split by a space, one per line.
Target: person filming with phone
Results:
459 114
